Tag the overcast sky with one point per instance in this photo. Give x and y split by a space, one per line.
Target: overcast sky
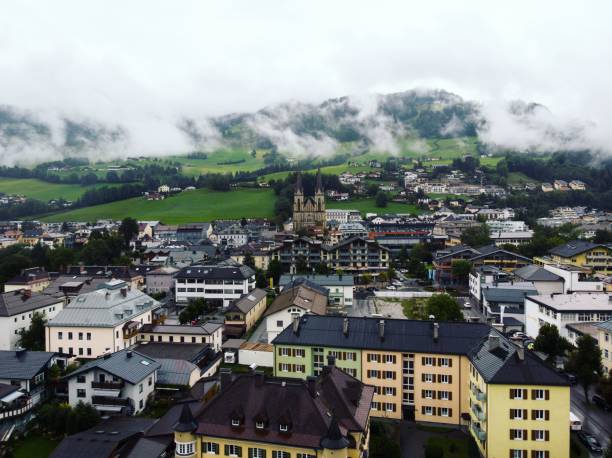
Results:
147 62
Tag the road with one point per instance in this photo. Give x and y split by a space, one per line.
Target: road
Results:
594 419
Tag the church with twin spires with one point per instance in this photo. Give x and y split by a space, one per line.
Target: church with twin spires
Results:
309 211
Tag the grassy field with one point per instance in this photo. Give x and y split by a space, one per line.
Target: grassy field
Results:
34 446
42 190
520 178
369 206
189 206
213 163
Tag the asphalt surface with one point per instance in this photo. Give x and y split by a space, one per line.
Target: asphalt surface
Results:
594 419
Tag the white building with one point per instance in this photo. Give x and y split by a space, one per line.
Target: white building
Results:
484 276
511 238
575 278
221 283
410 178
16 310
105 320
120 382
342 215
164 188
232 236
340 288
498 225
563 309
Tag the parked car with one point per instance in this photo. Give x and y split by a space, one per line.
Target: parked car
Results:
391 287
571 378
467 304
601 402
589 441
575 422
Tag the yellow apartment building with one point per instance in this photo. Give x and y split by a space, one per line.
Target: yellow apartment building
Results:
242 314
604 338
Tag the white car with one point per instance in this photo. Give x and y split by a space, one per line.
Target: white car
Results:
467 304
391 287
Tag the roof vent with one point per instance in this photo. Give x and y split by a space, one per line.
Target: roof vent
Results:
436 331
345 326
381 329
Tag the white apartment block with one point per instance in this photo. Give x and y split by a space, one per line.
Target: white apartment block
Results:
342 216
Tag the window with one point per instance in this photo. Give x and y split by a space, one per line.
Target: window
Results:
283 367
69 336
89 336
60 349
235 422
211 448
305 455
80 336
283 428
80 379
389 359
445 362
518 414
233 450
428 410
284 351
257 453
541 415
280 454
185 448
444 412
444 378
518 453
428 394
60 335
428 378
539 435
518 393
540 395
81 393
259 424
518 434
140 404
150 382
279 323
140 388
429 361
445 395
540 454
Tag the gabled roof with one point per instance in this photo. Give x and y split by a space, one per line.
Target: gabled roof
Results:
508 295
248 301
573 248
302 296
532 272
323 280
23 364
128 365
18 301
203 330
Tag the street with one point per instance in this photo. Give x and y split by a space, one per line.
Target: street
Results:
594 420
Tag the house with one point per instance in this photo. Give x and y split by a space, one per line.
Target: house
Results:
160 280
576 279
113 437
516 403
342 215
482 276
303 298
231 236
181 364
125 273
119 382
210 333
515 238
101 321
28 371
547 187
242 314
220 283
327 416
595 256
35 279
563 309
545 281
604 339
560 185
17 308
340 288
506 300
577 185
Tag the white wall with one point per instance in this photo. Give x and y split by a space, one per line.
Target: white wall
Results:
10 325
261 358
278 321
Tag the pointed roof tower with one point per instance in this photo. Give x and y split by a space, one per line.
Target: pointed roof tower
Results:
186 423
299 189
334 440
319 185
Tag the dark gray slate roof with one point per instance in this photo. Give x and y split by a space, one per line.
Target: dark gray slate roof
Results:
324 280
216 272
23 365
175 371
6 389
202 330
535 273
399 335
16 302
500 364
606 325
508 295
184 351
248 301
131 369
150 447
573 248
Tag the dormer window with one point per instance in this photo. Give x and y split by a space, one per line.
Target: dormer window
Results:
259 424
283 428
235 422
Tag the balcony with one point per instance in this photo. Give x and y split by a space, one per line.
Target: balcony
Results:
478 432
478 412
107 388
109 403
479 395
16 409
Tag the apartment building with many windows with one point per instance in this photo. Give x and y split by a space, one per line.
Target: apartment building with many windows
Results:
448 372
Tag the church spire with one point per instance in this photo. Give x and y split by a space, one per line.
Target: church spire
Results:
319 185
299 189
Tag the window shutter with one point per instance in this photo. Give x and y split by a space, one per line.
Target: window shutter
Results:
524 453
525 414
439 378
511 416
525 434
511 434
433 361
423 410
533 434
450 395
423 394
525 393
422 360
511 454
547 435
547 394
511 394
433 394
450 379
450 412
226 449
238 451
263 451
250 452
546 454
533 395
422 377
533 414
439 411
450 362
533 454
547 415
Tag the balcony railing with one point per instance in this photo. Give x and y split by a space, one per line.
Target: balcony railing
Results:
109 401
478 412
478 432
15 411
107 385
479 395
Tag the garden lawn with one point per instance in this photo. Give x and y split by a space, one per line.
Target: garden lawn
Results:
42 190
369 206
453 448
35 446
185 207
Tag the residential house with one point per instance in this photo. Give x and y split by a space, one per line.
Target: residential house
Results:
506 300
604 339
594 256
560 185
210 333
515 238
17 308
256 416
160 280
543 280
101 321
119 382
342 215
577 185
244 313
340 287
35 279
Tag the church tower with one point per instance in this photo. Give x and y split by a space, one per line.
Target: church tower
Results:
308 211
319 193
298 195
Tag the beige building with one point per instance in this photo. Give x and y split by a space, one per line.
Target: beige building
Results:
208 333
604 338
102 321
309 211
242 314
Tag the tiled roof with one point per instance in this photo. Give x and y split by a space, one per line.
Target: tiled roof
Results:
248 301
532 272
22 365
302 296
573 248
399 335
128 365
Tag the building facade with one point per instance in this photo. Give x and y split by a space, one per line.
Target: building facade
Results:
309 212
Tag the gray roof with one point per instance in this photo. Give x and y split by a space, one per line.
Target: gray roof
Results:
399 335
606 325
508 295
532 272
323 280
248 301
105 307
16 302
202 330
192 352
217 272
23 365
150 447
573 248
175 371
132 368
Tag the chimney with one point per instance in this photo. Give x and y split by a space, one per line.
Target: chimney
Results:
520 353
124 292
296 324
129 354
502 309
20 351
381 329
436 332
225 377
311 382
26 293
493 342
345 326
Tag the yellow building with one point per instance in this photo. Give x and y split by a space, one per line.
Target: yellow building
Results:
258 417
519 407
594 256
604 338
243 313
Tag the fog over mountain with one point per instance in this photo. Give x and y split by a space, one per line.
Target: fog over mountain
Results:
110 79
